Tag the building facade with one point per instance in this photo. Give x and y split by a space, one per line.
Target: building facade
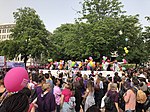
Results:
5 31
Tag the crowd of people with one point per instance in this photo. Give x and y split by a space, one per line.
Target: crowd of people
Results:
129 92
89 64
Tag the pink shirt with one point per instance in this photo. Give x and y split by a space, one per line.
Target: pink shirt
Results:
67 94
130 100
57 94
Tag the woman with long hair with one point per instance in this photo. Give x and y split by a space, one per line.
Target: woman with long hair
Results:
65 97
129 98
113 94
89 96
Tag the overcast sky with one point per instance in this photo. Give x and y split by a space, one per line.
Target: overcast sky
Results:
57 12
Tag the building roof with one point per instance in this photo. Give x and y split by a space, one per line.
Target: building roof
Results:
7 23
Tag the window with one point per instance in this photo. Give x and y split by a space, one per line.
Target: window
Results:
4 30
4 36
0 30
8 30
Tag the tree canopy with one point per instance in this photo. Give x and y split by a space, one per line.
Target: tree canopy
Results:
103 28
30 33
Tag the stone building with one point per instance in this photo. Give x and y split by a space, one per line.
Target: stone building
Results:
5 31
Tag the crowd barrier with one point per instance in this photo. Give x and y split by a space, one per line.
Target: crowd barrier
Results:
88 72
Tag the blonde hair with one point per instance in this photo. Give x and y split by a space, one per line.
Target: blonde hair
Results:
90 86
113 86
85 77
46 86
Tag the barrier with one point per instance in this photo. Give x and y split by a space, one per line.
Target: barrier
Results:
88 72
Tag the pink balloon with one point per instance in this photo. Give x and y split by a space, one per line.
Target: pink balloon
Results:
90 58
16 79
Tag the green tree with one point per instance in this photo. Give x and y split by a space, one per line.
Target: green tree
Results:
66 42
95 10
106 19
8 49
102 18
30 34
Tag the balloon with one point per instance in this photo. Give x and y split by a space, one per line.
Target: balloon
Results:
91 64
60 66
90 58
103 61
88 68
50 60
124 61
123 68
125 48
80 65
126 51
73 63
16 79
104 58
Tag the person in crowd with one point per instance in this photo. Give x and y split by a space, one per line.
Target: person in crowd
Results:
17 102
26 91
99 93
129 98
65 96
46 99
89 96
113 94
61 79
92 74
109 83
38 88
48 79
116 79
41 73
107 65
85 80
136 86
32 105
33 81
2 88
121 84
148 87
79 90
143 85
57 94
93 109
115 66
122 90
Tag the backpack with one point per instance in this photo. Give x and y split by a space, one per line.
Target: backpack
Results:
72 103
141 97
121 102
108 103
